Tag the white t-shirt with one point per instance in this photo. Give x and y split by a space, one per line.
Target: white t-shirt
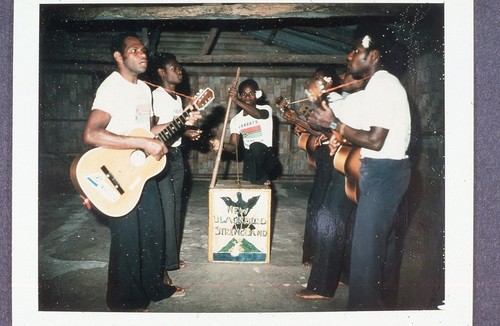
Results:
167 108
349 109
128 104
383 103
253 130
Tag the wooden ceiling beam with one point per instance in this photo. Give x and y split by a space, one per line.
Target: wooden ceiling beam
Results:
224 60
272 59
210 42
207 11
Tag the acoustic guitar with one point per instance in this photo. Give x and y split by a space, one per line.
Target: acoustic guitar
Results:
112 180
347 161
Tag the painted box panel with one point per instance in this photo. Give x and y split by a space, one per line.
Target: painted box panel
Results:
239 223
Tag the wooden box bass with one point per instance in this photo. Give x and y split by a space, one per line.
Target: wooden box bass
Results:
239 222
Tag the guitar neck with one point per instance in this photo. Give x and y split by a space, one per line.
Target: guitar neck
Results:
306 126
173 127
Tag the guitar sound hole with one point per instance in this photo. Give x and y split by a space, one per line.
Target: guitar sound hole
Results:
137 158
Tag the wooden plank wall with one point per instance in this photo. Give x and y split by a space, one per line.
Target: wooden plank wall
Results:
66 95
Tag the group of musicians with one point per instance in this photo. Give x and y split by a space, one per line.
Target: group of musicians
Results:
348 235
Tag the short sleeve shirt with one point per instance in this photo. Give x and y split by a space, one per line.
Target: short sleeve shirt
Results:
128 104
166 108
386 105
254 130
383 103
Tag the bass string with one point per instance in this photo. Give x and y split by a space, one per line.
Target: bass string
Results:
333 89
168 90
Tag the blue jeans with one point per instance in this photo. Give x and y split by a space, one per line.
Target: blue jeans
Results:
374 266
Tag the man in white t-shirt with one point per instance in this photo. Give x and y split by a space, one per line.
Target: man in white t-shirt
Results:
383 133
254 123
123 103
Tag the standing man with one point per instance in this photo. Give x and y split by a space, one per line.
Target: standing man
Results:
385 171
167 106
136 258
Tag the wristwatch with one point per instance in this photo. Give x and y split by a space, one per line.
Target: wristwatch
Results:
334 124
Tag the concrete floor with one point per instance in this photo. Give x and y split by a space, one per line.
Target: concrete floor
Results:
73 255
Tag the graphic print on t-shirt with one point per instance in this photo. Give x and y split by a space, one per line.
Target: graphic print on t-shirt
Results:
252 132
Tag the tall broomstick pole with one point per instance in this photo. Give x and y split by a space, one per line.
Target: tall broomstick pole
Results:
219 153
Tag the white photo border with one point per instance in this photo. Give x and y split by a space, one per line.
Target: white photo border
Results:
459 161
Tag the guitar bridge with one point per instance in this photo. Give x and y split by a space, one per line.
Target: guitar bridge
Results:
112 179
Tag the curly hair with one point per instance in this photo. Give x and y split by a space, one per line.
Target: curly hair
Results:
118 42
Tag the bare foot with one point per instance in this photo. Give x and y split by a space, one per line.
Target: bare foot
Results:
267 183
307 264
307 294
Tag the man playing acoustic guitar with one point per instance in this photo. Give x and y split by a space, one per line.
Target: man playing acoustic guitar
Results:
385 170
123 103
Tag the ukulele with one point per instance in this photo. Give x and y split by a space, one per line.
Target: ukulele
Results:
309 139
112 180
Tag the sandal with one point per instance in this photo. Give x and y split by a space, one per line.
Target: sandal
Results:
179 292
307 294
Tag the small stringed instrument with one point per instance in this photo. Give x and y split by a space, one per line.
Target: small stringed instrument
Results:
112 180
315 88
309 139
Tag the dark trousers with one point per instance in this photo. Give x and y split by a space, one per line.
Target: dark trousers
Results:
259 163
374 264
170 183
331 238
322 177
136 257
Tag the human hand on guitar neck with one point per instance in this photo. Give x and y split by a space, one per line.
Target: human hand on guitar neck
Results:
321 117
192 131
292 117
192 115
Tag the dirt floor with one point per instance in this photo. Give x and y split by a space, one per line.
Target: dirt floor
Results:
73 255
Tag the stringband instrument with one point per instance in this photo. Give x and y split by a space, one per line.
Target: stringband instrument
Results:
315 88
346 160
309 139
112 180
